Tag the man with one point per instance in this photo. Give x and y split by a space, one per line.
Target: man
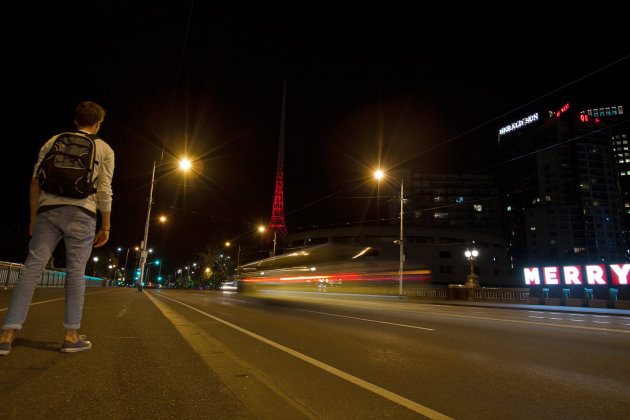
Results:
54 217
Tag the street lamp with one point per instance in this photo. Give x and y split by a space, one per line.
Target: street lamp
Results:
95 259
183 164
379 174
472 277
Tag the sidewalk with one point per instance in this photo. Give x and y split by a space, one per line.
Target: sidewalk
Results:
139 365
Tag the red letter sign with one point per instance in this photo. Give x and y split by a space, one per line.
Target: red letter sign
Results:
619 273
595 274
551 275
572 275
532 276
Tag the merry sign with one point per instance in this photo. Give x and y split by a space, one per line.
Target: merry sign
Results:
574 275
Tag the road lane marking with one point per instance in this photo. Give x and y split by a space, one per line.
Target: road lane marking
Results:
430 311
236 300
576 320
54 300
514 321
369 320
532 316
411 405
244 380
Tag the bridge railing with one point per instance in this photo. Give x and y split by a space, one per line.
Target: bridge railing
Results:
502 294
9 273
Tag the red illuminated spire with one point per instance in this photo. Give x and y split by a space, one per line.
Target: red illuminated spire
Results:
277 224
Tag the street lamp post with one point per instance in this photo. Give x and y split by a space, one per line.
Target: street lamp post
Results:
261 229
95 259
125 269
185 165
472 277
378 175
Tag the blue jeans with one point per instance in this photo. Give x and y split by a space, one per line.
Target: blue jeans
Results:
77 229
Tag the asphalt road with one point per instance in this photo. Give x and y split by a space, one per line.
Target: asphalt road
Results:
200 354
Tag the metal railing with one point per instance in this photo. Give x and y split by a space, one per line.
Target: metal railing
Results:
9 273
501 294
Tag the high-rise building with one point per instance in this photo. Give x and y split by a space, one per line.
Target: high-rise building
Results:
468 202
617 122
562 196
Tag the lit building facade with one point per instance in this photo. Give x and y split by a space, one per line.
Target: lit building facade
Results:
468 202
562 197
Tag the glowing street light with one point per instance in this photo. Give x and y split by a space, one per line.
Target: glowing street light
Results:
183 164
472 277
162 219
379 174
95 259
261 229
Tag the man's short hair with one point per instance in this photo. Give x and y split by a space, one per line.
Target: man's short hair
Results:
88 113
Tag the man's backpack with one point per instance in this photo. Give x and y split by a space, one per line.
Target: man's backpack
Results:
68 167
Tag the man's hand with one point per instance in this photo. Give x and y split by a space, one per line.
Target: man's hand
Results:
101 238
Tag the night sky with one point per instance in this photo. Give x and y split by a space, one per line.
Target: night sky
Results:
407 84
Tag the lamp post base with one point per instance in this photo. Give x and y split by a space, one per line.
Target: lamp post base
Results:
473 281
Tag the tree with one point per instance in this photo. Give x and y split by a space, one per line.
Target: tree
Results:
215 268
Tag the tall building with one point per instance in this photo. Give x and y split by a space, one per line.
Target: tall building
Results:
562 197
617 122
468 202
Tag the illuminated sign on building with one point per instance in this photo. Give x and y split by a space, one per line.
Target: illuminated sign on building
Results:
562 110
518 124
573 275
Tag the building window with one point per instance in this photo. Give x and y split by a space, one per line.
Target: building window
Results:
446 269
478 207
532 228
440 215
445 254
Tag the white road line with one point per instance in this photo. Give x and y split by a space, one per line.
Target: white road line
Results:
411 405
532 316
369 320
235 300
576 320
602 322
558 319
601 316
